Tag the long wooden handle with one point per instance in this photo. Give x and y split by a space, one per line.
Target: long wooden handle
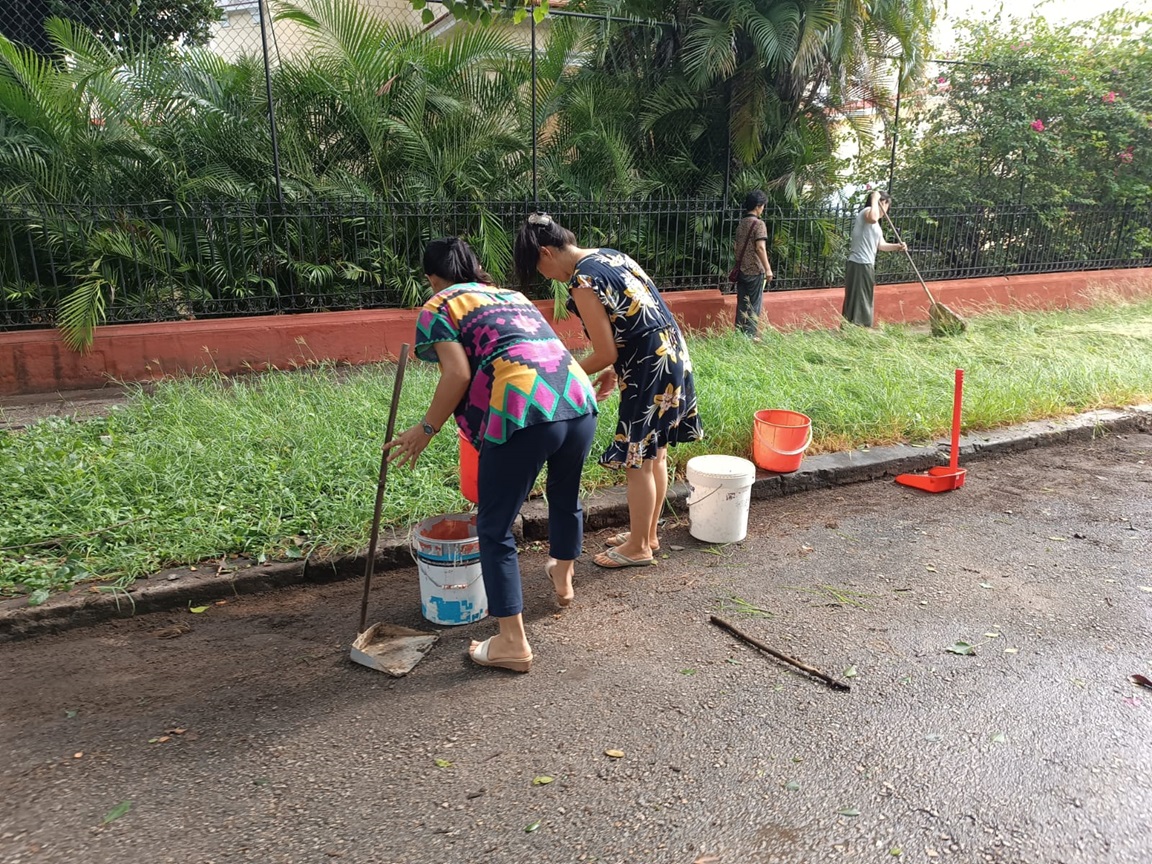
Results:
915 269
370 564
752 640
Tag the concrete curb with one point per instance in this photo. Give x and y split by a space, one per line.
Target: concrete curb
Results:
182 587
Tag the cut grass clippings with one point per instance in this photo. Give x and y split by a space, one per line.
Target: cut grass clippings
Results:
284 465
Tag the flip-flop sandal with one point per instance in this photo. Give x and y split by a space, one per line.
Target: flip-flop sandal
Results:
560 601
622 538
479 656
619 560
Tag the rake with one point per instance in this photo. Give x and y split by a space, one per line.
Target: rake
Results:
942 321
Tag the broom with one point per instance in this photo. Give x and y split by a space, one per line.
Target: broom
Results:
942 321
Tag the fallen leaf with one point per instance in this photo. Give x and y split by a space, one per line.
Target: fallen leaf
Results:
1011 650
117 811
962 648
153 740
179 730
1140 681
932 736
991 635
542 780
615 754
197 609
792 786
38 597
1147 589
163 739
895 852
70 713
443 763
687 671
221 602
528 829
999 738
1059 539
986 586
850 672
707 859
930 568
261 781
79 755
848 811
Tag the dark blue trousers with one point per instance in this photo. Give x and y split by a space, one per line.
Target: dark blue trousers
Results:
507 473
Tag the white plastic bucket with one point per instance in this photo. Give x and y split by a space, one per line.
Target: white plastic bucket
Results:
718 503
447 554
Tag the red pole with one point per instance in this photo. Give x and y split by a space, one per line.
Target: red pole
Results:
957 400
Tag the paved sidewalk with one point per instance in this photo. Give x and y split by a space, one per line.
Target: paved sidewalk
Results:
1033 750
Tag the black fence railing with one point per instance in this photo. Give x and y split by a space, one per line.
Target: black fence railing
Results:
164 261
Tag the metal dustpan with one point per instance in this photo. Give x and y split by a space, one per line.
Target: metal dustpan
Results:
387 647
392 649
943 478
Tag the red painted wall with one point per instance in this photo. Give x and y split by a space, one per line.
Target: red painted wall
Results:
36 361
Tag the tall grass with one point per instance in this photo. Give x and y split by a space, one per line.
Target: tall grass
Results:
284 465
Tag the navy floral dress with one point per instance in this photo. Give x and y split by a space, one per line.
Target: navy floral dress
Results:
657 394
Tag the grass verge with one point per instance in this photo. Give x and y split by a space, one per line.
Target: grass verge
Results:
284 465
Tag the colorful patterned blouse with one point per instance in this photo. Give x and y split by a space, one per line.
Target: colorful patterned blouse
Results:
522 374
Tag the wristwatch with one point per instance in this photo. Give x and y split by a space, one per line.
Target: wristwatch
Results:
428 428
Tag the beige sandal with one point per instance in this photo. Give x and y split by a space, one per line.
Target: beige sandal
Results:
617 560
479 656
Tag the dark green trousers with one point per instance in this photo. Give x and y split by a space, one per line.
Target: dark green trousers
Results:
859 289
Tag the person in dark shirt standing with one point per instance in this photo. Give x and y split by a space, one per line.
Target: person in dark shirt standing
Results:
752 261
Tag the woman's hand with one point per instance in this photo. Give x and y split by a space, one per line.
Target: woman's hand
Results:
605 383
408 446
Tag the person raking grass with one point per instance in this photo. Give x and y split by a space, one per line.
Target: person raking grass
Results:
860 275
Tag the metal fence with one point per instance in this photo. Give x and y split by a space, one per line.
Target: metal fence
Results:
154 262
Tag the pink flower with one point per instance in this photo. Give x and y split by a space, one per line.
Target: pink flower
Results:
1126 158
1038 126
1110 96
941 80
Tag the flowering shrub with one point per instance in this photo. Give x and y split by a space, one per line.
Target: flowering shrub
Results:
1043 115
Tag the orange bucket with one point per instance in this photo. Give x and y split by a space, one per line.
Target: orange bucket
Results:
779 439
469 469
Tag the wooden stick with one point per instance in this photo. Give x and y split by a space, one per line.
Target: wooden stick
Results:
752 640
370 564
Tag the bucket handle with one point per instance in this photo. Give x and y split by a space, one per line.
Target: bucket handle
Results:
455 586
803 446
690 502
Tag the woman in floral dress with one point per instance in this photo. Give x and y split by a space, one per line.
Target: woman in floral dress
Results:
636 346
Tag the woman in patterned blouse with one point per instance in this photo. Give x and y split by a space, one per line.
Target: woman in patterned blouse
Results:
523 401
637 345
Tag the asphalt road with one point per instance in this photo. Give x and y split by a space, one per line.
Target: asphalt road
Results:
268 746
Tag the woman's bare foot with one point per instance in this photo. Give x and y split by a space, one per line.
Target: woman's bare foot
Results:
561 578
623 537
